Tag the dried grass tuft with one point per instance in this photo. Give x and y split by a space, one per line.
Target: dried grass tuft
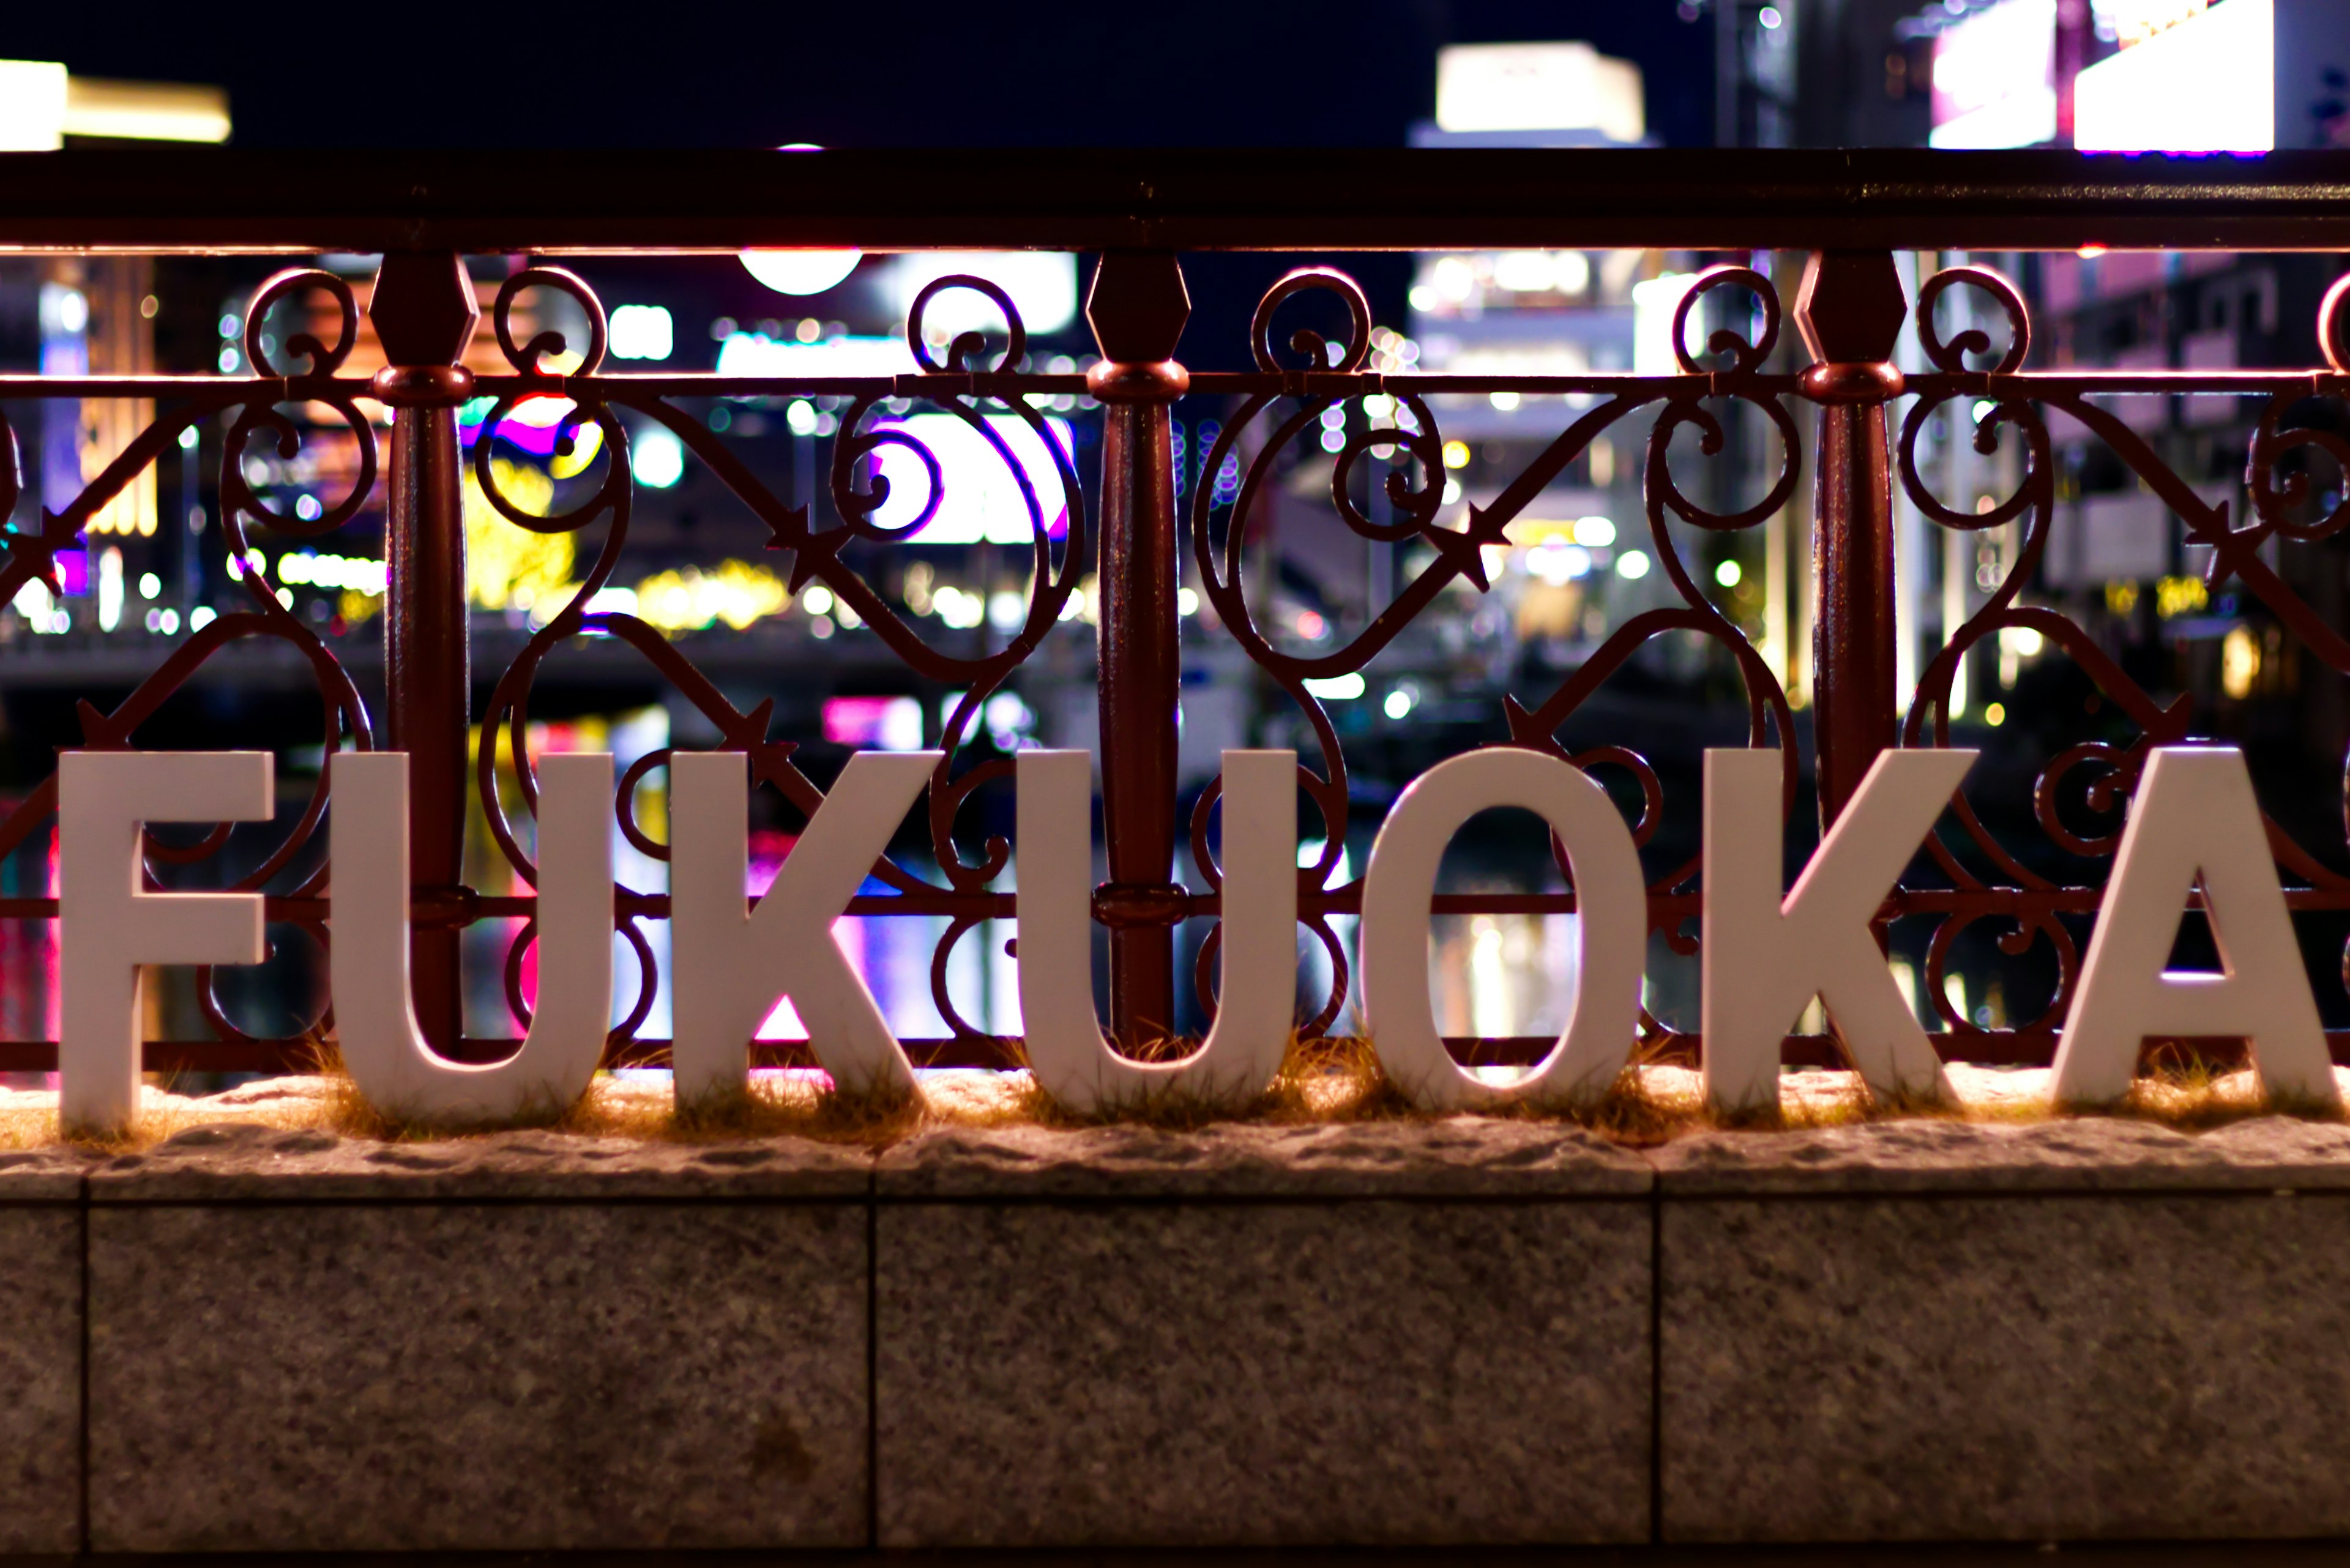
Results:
1322 1078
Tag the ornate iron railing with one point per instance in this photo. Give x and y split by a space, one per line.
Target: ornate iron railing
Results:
1140 211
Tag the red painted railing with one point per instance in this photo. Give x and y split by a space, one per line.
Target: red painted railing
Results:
1849 211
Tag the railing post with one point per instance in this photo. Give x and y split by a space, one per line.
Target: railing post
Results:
1136 308
424 312
1850 309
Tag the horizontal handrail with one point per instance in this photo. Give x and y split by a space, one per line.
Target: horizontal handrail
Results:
577 203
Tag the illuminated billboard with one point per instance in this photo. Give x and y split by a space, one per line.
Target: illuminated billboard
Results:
2205 85
1995 77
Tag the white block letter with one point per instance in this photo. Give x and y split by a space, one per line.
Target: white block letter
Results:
2194 817
1766 958
1611 927
733 964
374 1016
109 924
1256 1001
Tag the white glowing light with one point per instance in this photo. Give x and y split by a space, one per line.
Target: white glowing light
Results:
1558 565
1728 574
1654 300
959 609
755 354
1338 688
656 456
1995 77
1399 703
1043 285
983 500
1632 566
109 590
2208 85
1007 610
201 617
150 585
356 573
801 272
800 418
1594 533
34 603
1525 272
32 106
1187 601
642 332
1538 87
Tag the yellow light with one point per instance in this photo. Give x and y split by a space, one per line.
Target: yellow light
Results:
2179 595
145 111
2239 662
688 600
2121 597
501 557
1995 715
585 442
1456 455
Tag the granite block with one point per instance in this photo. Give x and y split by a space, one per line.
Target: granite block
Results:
238 1161
2070 1154
40 1367
501 1376
1261 1373
1450 1156
2023 1367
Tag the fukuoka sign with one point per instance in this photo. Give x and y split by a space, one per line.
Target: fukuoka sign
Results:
1766 952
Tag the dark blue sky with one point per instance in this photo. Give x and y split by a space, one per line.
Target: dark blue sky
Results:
866 73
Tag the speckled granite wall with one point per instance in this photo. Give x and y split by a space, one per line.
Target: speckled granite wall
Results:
1386 1332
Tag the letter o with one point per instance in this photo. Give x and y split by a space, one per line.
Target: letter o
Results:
1611 897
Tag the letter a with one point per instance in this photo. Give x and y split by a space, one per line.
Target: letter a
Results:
383 1048
109 924
1764 958
734 965
2194 818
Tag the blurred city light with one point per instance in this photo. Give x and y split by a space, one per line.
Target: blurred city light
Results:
982 501
1538 87
1654 300
1995 77
800 271
2207 85
1042 285
881 723
756 354
656 457
641 332
41 104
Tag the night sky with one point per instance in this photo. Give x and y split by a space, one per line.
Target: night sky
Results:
855 73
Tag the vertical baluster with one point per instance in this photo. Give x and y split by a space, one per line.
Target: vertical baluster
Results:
1136 308
424 312
1850 309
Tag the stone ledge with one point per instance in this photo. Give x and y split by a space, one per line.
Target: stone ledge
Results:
42 1175
2073 1153
1454 1157
236 1161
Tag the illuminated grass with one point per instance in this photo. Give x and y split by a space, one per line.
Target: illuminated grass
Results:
1322 1079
